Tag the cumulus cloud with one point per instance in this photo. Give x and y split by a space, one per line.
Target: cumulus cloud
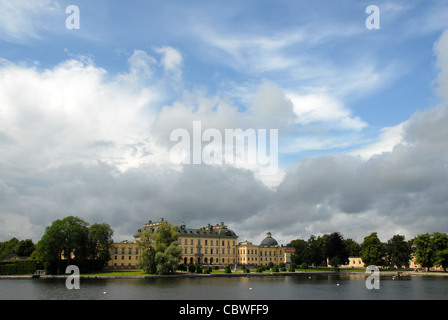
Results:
322 108
388 139
70 113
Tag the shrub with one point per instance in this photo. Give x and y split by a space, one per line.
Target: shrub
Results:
227 269
192 268
208 270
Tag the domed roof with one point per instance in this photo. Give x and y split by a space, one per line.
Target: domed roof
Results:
269 241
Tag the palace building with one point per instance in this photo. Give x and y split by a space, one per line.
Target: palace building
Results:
209 245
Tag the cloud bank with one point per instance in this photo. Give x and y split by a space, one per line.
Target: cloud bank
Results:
77 140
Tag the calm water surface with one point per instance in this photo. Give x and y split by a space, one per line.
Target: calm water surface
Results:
300 287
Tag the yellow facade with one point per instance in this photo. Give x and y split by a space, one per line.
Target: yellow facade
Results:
262 255
210 245
124 255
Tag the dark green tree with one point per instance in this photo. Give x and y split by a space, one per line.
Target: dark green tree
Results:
424 253
316 253
372 252
353 248
99 245
70 239
300 253
26 248
336 250
397 252
8 247
440 247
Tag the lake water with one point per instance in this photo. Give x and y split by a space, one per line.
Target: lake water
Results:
296 287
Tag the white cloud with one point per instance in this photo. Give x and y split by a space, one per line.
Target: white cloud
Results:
388 139
67 111
322 108
441 50
172 59
21 19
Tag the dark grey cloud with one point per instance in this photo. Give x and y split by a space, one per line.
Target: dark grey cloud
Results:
404 191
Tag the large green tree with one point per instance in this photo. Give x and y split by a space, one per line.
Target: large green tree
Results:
336 250
99 245
431 249
299 255
397 252
440 245
424 253
372 252
71 238
316 253
160 251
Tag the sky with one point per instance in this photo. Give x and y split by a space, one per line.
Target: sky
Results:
89 99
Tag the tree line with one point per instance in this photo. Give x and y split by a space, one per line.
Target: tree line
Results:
22 248
70 240
429 250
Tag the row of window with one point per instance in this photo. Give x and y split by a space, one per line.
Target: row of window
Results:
255 259
241 251
123 250
252 251
206 251
130 257
207 242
